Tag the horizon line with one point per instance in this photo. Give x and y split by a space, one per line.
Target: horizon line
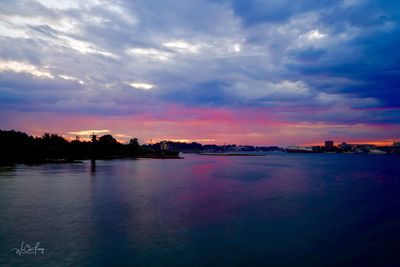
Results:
124 139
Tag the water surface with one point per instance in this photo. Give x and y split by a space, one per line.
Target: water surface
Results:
274 210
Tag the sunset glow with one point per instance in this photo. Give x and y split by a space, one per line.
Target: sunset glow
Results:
232 73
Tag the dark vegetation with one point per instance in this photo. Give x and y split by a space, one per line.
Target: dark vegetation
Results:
18 147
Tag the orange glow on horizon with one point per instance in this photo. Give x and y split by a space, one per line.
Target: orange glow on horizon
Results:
386 142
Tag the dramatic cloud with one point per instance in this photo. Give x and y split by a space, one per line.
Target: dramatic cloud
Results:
256 71
15 66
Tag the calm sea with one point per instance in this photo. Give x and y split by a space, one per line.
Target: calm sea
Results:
273 210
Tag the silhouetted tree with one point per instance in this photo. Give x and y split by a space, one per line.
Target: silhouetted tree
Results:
19 147
134 142
107 139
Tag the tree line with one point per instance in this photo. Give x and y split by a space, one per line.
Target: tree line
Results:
19 147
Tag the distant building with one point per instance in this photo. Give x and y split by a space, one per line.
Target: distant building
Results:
364 148
317 149
395 148
329 144
345 147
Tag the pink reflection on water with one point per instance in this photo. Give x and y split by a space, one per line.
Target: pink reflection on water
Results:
217 195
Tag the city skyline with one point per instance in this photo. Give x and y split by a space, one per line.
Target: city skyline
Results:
251 73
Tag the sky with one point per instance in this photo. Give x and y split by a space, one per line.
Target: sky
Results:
257 72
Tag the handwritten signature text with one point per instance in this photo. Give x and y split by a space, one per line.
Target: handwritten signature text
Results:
26 249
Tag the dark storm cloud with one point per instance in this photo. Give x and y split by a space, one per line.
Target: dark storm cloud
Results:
335 55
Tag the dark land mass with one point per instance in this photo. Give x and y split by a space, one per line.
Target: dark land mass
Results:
243 150
195 147
19 147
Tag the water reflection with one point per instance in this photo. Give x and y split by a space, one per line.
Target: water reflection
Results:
275 210
92 166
